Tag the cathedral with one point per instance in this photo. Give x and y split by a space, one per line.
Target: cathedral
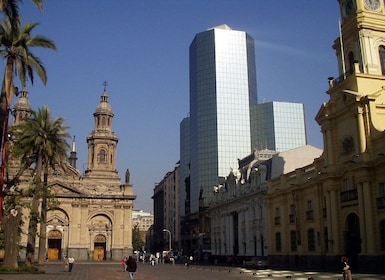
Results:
93 216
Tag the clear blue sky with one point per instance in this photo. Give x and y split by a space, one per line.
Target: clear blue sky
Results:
140 47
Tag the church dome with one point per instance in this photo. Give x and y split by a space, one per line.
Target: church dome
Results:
104 106
22 104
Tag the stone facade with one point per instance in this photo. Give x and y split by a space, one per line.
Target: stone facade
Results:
144 220
93 216
239 220
336 205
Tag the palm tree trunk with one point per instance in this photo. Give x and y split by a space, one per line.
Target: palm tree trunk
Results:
3 113
43 222
32 231
11 223
34 216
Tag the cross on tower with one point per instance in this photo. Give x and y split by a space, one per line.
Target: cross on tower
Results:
105 84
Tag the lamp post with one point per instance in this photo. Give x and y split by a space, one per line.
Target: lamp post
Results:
169 235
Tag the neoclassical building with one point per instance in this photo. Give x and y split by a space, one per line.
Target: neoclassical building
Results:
238 212
336 205
93 217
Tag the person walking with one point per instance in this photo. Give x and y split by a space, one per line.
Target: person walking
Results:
65 263
71 261
124 263
131 267
346 271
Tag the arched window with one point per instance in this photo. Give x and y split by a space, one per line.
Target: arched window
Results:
381 51
102 156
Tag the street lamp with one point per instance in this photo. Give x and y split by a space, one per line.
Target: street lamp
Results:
169 232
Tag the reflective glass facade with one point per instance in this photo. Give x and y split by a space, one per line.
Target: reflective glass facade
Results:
279 126
184 166
222 88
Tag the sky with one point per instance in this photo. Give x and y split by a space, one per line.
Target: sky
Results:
141 48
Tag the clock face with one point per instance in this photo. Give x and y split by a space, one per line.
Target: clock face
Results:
372 4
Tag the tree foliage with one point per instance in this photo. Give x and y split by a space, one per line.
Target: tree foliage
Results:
42 140
137 243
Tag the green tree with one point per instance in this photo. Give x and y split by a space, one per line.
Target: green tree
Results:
10 9
15 47
12 215
44 140
137 243
11 39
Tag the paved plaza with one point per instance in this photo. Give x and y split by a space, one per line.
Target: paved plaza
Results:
114 271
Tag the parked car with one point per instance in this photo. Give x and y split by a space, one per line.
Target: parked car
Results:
257 262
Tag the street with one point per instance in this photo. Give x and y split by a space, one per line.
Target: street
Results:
114 271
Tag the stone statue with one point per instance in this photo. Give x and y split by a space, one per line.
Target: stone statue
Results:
127 176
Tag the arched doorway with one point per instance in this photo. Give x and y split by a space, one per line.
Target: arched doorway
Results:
54 244
352 238
99 247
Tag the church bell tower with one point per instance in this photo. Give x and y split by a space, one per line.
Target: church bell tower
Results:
362 36
102 143
354 117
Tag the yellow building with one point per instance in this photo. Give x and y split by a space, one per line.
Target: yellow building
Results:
336 206
93 220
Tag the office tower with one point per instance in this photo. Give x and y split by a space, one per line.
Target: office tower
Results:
278 126
184 183
222 88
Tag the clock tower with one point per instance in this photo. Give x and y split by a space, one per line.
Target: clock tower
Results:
362 34
354 116
352 122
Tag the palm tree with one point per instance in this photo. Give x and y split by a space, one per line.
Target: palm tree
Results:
43 139
10 8
15 47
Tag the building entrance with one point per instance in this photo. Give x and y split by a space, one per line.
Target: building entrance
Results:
352 238
54 245
100 247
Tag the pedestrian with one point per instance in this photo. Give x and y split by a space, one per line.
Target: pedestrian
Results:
191 259
124 263
65 263
131 267
71 261
346 270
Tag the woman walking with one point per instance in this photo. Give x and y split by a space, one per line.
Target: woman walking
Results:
346 272
131 267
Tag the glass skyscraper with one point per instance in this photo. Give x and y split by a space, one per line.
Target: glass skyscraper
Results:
222 89
184 171
278 126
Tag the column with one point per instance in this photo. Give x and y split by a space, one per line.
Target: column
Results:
366 220
361 132
336 229
247 230
330 152
230 235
